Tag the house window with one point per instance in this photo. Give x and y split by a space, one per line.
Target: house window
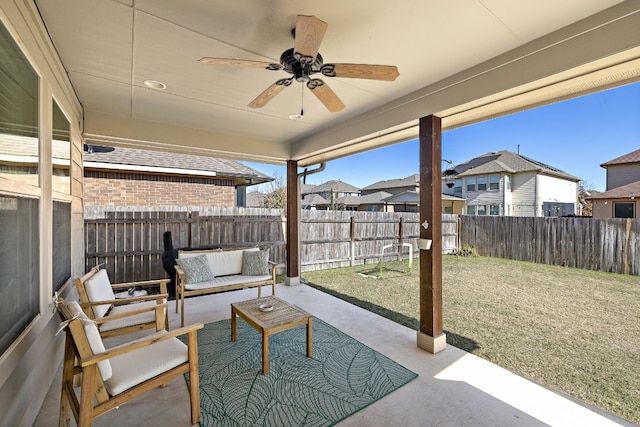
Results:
61 152
623 210
494 210
20 266
482 209
507 183
471 210
19 210
494 182
457 188
471 183
61 243
447 209
482 183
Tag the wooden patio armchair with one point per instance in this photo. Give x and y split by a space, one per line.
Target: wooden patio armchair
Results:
125 315
110 378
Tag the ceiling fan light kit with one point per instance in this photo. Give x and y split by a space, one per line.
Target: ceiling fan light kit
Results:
304 60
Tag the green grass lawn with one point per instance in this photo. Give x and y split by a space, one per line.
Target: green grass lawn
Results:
576 331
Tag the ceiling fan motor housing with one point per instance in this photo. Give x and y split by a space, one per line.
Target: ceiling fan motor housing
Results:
300 70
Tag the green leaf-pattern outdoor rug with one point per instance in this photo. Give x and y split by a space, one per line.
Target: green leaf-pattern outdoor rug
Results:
343 377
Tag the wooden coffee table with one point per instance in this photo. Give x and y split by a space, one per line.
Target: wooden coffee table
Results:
283 316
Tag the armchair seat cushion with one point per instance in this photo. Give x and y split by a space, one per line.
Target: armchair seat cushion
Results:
130 369
235 279
139 319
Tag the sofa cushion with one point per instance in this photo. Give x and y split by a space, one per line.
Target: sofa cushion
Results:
99 288
255 263
234 279
196 269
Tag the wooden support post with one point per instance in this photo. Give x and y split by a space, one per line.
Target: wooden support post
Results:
293 224
431 336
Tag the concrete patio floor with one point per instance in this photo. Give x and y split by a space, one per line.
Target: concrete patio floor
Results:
454 388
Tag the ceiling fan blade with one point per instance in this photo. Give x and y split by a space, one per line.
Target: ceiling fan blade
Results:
325 95
240 63
269 93
361 71
309 34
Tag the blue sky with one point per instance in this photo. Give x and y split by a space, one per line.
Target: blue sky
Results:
575 136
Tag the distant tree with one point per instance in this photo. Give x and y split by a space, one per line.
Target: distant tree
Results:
276 191
584 190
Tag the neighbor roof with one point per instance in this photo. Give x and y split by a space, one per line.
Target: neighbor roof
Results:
628 191
370 199
412 196
313 200
335 185
633 157
506 161
100 157
409 181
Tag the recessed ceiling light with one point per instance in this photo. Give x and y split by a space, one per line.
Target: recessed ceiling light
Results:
296 116
154 84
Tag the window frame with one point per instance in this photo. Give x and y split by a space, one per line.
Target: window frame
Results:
457 187
481 183
470 182
624 204
494 181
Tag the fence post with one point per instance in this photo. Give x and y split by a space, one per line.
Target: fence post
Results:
352 237
627 246
400 232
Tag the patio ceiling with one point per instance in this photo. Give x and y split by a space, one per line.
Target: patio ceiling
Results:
463 60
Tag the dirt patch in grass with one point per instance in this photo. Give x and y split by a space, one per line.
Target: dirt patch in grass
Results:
577 331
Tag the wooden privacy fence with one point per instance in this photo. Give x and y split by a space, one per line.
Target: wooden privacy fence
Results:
130 244
609 245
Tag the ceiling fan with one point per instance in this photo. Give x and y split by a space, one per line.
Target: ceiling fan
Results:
304 60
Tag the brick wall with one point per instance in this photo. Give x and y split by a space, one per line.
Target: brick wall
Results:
104 188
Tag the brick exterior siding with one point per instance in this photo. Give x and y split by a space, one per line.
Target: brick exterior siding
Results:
104 188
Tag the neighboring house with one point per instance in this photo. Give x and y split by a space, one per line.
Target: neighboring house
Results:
322 196
509 184
394 186
128 177
313 201
371 202
403 195
410 202
620 200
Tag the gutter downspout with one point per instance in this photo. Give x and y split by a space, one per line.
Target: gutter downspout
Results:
304 174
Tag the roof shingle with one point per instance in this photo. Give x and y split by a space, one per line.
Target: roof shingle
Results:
633 157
